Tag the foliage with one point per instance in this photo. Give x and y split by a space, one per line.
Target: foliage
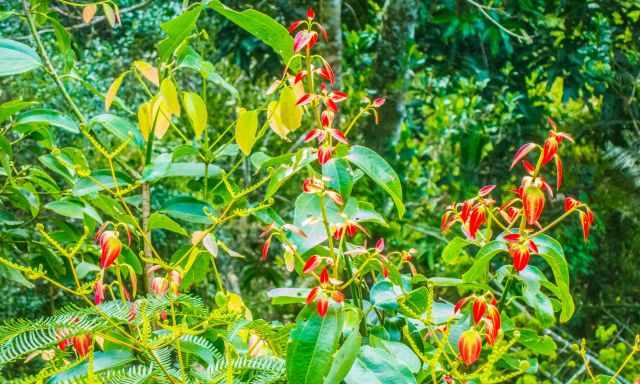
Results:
185 167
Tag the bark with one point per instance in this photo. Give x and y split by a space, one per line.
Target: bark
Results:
330 15
391 72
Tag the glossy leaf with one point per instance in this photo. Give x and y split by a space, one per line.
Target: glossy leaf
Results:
119 127
246 129
188 209
344 358
261 26
177 30
281 296
336 172
17 58
196 112
553 254
453 249
159 221
480 268
374 166
377 366
313 343
49 117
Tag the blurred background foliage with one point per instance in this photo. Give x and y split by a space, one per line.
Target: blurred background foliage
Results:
466 83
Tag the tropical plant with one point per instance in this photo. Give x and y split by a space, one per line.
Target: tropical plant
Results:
367 314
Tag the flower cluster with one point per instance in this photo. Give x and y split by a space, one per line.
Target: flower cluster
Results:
486 319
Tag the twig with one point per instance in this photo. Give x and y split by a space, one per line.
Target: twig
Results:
483 10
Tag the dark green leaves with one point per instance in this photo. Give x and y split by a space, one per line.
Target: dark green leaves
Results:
177 29
48 117
377 366
188 209
379 171
17 58
260 26
313 343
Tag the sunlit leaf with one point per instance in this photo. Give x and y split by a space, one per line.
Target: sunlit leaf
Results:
196 111
246 129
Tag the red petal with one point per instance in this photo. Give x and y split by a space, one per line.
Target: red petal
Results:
311 264
324 155
312 134
338 96
552 123
265 249
338 135
323 31
323 306
312 294
299 76
331 105
311 14
335 197
570 203
301 40
559 172
380 245
484 191
324 276
479 307
533 247
521 153
550 149
294 25
305 99
378 102
512 237
528 167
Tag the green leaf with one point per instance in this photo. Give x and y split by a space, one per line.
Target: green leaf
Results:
73 208
344 359
281 296
10 107
119 127
313 343
188 209
453 249
196 111
99 181
177 30
480 267
379 171
260 26
162 167
542 345
102 361
129 257
159 221
85 268
377 366
336 171
384 295
189 58
552 253
47 116
246 128
402 352
17 58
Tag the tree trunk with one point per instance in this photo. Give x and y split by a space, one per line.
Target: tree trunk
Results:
391 74
330 15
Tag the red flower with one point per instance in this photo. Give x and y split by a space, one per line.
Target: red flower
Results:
311 14
295 25
586 219
98 290
521 254
110 246
476 219
314 134
479 307
470 346
304 39
337 296
559 172
323 306
380 245
459 304
378 102
570 203
324 154
159 286
550 149
81 344
304 99
533 202
493 316
326 72
324 276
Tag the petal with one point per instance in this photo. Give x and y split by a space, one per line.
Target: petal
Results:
311 14
301 40
312 134
305 99
338 96
484 191
294 25
559 172
521 153
378 102
311 264
338 135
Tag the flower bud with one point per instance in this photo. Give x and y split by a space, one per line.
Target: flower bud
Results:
521 254
82 344
479 307
470 346
110 246
159 286
533 202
